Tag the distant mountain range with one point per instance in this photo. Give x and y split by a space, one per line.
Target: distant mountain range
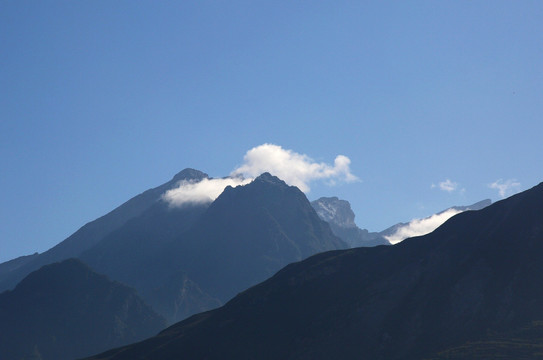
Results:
66 310
472 287
340 216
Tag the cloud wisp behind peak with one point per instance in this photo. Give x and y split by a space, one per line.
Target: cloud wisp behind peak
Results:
294 168
200 192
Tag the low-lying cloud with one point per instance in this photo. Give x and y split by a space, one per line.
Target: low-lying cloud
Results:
204 191
293 168
418 227
505 188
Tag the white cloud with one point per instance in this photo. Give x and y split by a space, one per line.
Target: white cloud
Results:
204 191
505 188
447 185
418 227
294 168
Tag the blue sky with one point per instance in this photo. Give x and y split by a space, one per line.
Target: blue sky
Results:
102 100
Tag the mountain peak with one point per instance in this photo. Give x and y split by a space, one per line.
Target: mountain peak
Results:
332 209
189 174
269 178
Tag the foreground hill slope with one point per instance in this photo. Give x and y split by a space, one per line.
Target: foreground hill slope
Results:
479 273
65 310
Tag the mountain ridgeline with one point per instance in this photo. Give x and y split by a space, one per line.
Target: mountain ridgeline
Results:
473 283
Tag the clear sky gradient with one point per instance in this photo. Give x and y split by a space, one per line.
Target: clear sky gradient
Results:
101 100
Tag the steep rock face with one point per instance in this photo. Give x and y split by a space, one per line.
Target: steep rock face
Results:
93 232
340 216
480 272
65 311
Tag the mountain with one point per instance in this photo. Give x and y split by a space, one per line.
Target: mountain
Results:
340 216
95 231
478 274
182 266
65 311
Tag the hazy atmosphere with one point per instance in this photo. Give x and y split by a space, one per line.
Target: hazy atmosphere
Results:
402 108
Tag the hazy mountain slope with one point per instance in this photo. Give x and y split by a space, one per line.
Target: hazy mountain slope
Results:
481 271
340 216
94 231
65 310
135 255
12 265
